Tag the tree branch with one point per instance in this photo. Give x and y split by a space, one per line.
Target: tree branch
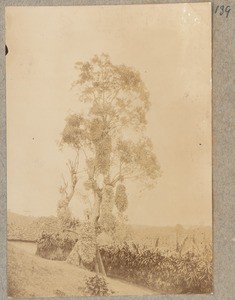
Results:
115 180
115 95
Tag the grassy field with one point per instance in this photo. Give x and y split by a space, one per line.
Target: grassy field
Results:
33 276
173 259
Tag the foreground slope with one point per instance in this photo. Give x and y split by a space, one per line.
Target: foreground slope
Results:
32 276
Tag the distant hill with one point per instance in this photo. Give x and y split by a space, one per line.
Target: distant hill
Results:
29 228
166 237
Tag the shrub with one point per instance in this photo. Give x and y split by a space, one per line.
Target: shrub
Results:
55 246
188 273
97 286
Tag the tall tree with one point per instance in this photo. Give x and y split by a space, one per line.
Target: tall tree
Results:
110 135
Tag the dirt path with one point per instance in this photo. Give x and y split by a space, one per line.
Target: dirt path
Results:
33 276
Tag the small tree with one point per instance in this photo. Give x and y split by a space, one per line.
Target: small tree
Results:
116 101
63 211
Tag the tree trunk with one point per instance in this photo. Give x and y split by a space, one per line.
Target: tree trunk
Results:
96 208
99 266
99 261
74 257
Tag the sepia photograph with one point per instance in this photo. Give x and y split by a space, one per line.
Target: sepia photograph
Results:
109 150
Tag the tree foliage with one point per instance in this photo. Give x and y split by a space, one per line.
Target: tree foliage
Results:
121 200
116 101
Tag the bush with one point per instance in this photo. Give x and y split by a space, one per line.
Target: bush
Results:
188 273
55 246
97 286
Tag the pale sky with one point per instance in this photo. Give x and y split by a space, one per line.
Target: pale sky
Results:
170 45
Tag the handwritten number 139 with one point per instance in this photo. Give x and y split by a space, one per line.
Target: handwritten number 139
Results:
221 9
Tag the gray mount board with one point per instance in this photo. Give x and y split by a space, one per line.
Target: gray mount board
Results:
223 145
